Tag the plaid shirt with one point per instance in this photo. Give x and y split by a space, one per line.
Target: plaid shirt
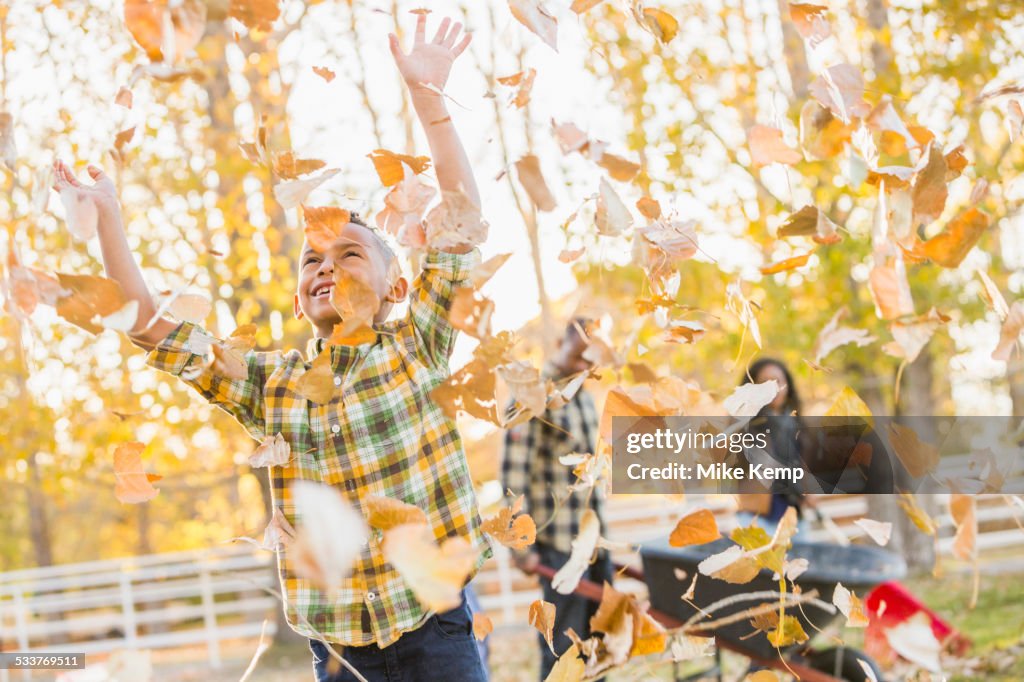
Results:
531 468
381 434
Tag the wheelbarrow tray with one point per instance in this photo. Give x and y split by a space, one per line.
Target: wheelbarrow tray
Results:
857 567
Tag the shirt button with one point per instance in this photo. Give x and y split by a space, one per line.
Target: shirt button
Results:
335 429
337 381
370 596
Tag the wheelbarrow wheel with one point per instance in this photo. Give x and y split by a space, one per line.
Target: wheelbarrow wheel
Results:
844 663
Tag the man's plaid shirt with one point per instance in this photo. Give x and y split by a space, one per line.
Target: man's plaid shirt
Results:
531 468
381 434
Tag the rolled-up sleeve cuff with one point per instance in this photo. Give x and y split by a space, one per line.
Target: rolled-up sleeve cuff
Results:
452 266
176 351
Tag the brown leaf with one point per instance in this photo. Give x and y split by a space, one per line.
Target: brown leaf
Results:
767 146
786 264
483 272
963 509
455 222
274 451
324 73
386 512
147 20
287 167
676 239
258 15
918 457
317 383
569 137
911 336
89 296
435 574
523 84
649 208
810 222
357 304
389 165
515 533
133 485
472 388
542 617
228 362
532 180
891 290
930 189
833 336
123 98
123 138
532 15
324 226
659 23
951 246
811 21
840 88
471 313
696 528
618 168
822 135
581 6
1010 332
482 626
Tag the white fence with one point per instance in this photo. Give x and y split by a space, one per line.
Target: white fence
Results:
189 598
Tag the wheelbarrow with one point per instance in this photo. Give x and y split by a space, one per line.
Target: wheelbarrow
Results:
858 568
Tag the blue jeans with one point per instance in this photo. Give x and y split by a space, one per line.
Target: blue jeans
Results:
442 648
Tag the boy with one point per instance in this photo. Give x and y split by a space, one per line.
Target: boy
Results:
380 433
531 468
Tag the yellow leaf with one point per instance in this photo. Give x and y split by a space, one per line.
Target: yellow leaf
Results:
851 606
789 632
435 574
317 383
517 533
925 523
357 304
568 668
87 297
288 167
849 404
385 512
963 509
696 528
542 617
660 23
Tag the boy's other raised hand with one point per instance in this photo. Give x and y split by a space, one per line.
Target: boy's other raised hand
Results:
428 64
102 193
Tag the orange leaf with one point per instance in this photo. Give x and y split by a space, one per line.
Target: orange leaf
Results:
542 617
517 533
324 226
767 146
133 484
696 528
288 167
324 73
532 180
385 512
930 189
258 15
532 15
918 456
147 19
482 625
786 264
389 165
810 21
951 246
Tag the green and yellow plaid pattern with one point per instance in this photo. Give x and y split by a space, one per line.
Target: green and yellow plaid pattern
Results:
380 434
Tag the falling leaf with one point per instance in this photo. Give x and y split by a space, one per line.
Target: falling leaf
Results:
849 404
569 667
390 166
951 246
291 194
330 535
533 15
8 150
914 640
570 138
890 289
731 565
542 617
123 138
227 362
532 180
523 84
324 73
193 308
740 306
472 388
122 319
483 272
879 531
911 336
581 6
840 88
133 485
810 222
568 256
788 632
786 264
88 297
676 239
649 208
435 574
811 21
324 226
930 191
482 626
920 518
833 336
471 312
1014 119
403 210
515 533
455 222
525 385
288 167
258 15
659 23
273 451
386 512
850 606
612 214
1010 332
80 213
767 147
963 509
123 97
822 135
918 457
992 296
357 304
696 528
618 168
317 383
583 545
166 31
688 647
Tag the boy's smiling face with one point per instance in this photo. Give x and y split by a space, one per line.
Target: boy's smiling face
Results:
363 255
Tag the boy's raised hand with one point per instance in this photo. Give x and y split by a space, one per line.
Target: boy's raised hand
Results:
428 65
102 194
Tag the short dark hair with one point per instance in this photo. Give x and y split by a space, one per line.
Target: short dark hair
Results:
385 248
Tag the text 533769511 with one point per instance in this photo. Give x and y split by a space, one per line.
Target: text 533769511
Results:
40 661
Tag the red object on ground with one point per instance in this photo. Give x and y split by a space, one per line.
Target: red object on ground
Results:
897 604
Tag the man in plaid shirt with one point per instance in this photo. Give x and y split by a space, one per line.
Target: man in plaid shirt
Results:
531 468
379 433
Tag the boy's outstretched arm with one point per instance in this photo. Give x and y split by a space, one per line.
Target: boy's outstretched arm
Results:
118 260
425 71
